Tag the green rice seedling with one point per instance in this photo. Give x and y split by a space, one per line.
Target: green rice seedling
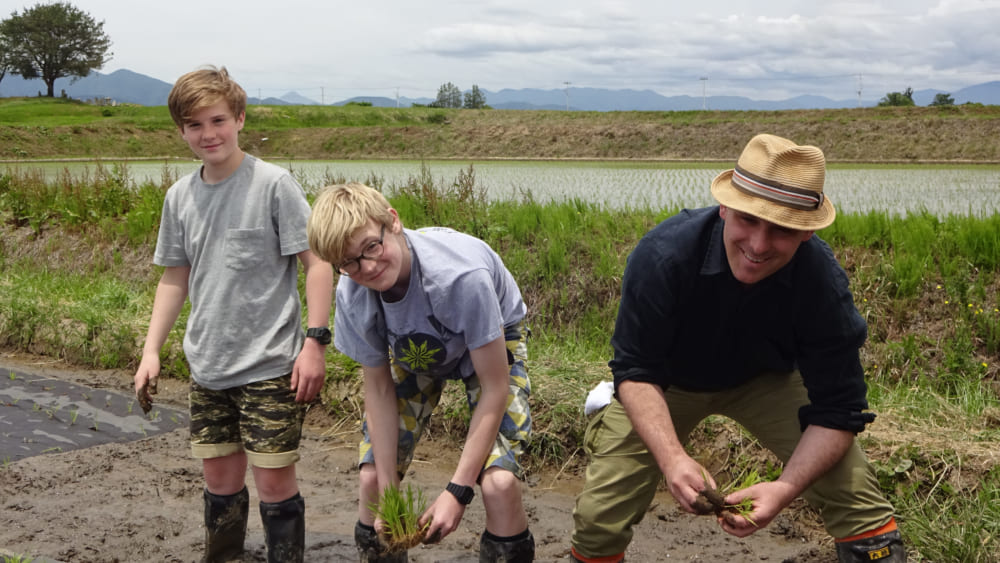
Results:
712 501
399 511
17 559
72 416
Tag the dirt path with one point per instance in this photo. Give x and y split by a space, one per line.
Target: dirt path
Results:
141 501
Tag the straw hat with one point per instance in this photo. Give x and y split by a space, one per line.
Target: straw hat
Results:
780 182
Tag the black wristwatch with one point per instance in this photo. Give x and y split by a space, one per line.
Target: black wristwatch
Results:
462 493
321 334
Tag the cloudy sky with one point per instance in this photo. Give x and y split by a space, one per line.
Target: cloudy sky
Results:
769 50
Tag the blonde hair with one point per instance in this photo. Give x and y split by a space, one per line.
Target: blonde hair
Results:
338 212
203 88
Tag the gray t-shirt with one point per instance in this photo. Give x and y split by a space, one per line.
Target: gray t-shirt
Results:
240 237
449 268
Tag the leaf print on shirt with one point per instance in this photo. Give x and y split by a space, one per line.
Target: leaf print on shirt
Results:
421 353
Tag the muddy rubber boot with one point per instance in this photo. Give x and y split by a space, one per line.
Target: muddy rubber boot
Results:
515 549
284 529
883 548
225 525
370 548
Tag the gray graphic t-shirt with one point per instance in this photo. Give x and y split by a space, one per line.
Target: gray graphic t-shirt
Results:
458 270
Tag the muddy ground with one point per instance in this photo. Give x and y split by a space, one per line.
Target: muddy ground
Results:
141 501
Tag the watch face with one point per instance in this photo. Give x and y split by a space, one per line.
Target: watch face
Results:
322 335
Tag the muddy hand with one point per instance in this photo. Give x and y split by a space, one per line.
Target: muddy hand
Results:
145 395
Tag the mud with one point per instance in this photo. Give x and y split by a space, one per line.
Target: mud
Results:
137 500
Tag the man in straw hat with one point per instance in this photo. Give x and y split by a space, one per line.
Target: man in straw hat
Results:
739 310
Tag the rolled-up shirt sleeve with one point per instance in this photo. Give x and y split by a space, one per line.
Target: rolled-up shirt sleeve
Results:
829 340
643 330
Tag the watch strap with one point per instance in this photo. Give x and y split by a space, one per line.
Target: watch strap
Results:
321 334
463 494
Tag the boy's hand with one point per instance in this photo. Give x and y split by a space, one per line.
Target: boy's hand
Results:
443 517
145 381
309 371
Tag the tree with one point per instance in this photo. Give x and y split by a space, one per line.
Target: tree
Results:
898 99
943 100
449 96
475 99
51 41
4 57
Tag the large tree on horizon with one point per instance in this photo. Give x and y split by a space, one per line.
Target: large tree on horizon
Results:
51 41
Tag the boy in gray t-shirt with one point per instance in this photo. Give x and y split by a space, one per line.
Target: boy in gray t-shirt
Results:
416 308
231 236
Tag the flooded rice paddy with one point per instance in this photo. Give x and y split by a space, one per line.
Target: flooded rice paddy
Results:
943 191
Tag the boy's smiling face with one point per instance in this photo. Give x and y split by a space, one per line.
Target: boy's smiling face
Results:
212 133
390 272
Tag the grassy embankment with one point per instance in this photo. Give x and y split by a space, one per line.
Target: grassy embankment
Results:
74 265
33 128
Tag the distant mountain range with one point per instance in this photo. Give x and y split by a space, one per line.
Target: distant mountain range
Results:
125 86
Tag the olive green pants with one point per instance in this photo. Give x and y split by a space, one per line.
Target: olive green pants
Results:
622 475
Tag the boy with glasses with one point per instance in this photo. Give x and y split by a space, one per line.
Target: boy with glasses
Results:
415 309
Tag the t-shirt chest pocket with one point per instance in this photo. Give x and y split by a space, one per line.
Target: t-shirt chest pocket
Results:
244 248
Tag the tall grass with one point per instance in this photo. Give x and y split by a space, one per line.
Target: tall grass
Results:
77 284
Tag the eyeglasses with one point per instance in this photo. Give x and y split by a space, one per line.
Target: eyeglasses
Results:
371 252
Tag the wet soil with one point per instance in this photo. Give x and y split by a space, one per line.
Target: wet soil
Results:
136 500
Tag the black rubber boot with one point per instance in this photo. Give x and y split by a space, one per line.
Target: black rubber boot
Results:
883 548
370 548
515 549
284 529
225 525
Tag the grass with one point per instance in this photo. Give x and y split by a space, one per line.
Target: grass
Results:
77 284
55 128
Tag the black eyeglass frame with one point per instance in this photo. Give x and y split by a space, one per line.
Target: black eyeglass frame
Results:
373 251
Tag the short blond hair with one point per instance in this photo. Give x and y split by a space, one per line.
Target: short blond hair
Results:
203 88
340 211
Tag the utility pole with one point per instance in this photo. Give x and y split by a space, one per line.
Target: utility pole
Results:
567 95
704 81
397 97
322 96
859 90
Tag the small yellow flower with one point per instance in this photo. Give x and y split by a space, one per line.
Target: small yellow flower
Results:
945 301
939 286
985 365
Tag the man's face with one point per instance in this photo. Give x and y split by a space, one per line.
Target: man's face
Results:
757 248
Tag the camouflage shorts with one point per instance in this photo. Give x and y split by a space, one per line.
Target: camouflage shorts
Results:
261 418
417 395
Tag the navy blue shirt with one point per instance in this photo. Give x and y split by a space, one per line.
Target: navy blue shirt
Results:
684 320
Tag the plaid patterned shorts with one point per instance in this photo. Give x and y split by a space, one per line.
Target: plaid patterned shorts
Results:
418 395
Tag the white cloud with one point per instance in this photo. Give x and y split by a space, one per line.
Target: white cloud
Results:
774 50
